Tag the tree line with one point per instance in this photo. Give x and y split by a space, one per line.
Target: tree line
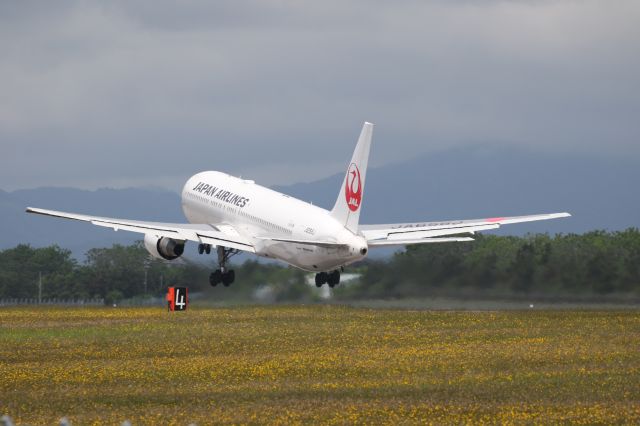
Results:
125 272
593 264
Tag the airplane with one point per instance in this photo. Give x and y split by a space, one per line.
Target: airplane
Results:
232 214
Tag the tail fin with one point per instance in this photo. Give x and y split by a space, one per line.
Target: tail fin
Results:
347 207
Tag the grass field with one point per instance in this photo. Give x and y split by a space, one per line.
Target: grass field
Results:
318 364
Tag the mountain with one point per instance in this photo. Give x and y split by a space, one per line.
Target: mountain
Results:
467 183
489 181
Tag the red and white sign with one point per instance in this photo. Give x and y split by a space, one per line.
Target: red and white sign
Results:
177 298
353 188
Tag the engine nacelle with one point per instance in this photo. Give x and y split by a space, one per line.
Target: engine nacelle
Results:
163 247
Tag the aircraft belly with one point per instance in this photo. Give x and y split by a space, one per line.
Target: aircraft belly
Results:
304 256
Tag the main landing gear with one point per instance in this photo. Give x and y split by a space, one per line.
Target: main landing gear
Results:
221 275
332 278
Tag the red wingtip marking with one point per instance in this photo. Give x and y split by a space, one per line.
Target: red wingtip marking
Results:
495 219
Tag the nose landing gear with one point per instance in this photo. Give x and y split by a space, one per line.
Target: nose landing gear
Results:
331 278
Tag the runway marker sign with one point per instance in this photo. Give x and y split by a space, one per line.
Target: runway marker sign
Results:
177 298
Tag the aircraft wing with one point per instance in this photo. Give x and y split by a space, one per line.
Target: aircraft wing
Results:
432 232
206 233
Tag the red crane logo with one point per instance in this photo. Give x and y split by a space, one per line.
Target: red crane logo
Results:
353 188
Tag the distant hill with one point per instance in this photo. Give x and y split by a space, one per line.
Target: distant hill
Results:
489 181
455 184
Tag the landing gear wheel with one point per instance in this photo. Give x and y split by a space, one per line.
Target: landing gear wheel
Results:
228 278
321 278
222 275
215 278
200 248
333 278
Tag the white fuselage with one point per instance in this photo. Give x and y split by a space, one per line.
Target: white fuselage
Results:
266 216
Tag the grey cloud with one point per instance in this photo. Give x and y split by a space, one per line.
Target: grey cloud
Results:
110 93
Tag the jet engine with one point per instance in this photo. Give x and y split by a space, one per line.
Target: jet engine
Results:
163 247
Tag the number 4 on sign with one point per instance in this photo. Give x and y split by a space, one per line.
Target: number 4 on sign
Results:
177 298
180 304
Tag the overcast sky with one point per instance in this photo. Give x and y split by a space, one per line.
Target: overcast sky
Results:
129 93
